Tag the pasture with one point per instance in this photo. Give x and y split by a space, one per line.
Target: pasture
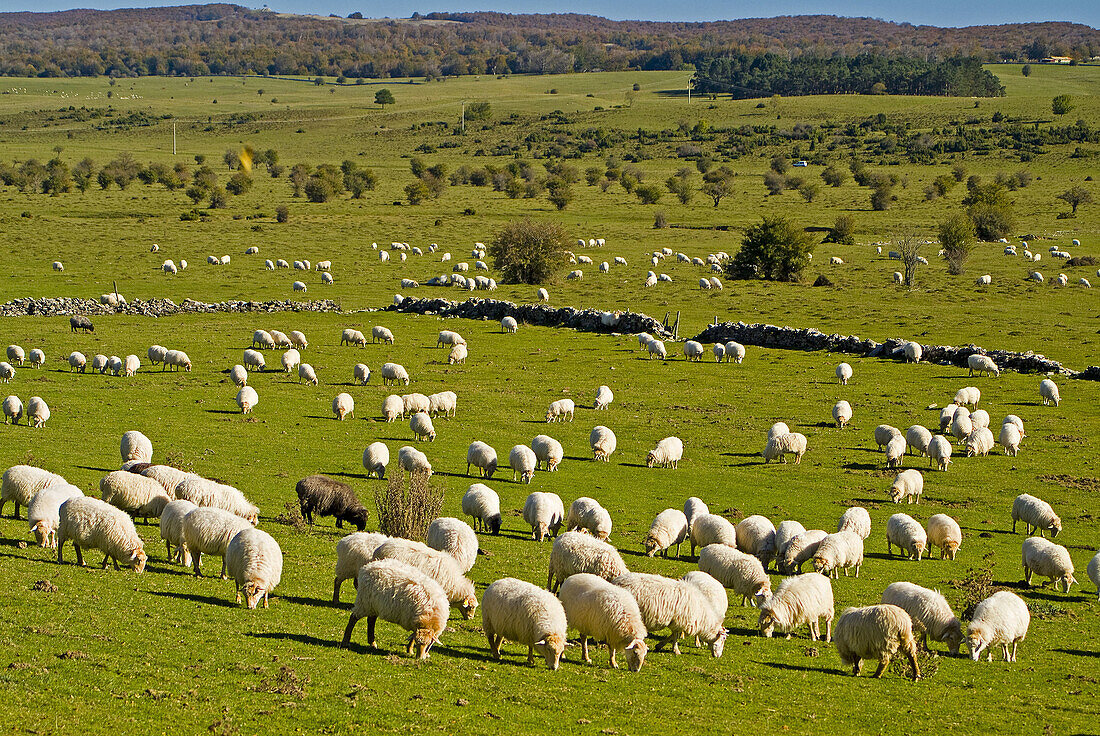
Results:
164 650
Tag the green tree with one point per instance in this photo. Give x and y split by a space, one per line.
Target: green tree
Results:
956 235
232 159
239 183
774 249
219 198
1026 70
1061 104
480 110
560 193
843 231
384 97
833 176
990 211
648 193
528 252
417 191
681 187
809 191
1075 197
83 174
299 175
718 183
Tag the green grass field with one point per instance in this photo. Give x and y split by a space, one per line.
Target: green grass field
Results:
164 651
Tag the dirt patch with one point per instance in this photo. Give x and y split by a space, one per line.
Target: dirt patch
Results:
292 516
73 655
976 586
45 586
1076 482
286 682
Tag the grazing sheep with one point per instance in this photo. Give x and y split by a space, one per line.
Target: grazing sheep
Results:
784 534
947 415
375 459
135 494
36 358
735 351
1003 619
291 360
361 373
421 425
253 360
1048 560
884 433
855 519
58 266
77 361
666 454
805 599
604 397
929 609
171 530
208 531
560 410
756 536
742 573
509 325
394 372
875 632
670 527
204 492
449 337
323 496
130 366
719 351
1009 438
1048 390
167 476
20 483
456 538
607 613
656 349
518 611
587 514
777 429
247 398
523 461
352 337
944 532
798 550
577 552
483 457
547 451
255 562
412 460
545 513
1094 573
38 413
939 452
907 534
979 442
352 552
392 407
543 295
444 402
16 354
1037 515
307 374
917 438
970 395
908 486
693 350
839 551
694 508
80 322
603 443
844 373
895 451
262 339
13 409
269 265
482 502
842 413
43 512
177 359
99 364
913 352
94 524
707 529
438 565
299 286
777 448
401 594
982 364
678 605
343 405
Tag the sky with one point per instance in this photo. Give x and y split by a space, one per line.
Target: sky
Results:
927 12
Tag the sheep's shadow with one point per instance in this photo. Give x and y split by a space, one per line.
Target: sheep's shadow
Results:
222 411
307 639
861 466
314 416
755 464
475 655
515 535
1077 652
1053 597
800 668
98 470
578 459
195 598
633 465
740 454
315 602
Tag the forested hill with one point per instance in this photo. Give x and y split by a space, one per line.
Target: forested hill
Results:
229 39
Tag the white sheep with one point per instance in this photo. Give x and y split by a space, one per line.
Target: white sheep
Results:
343 405
694 508
797 551
1037 515
898 278
456 538
523 461
376 457
693 350
670 527
979 442
875 632
576 552
38 413
130 365
777 429
269 265
545 513
719 351
704 283
247 399
171 530
839 551
36 358
587 514
135 494
352 336
742 573
251 360
394 372
43 512
844 373
518 611
483 457
756 536
421 425
667 453
1048 390
58 266
945 533
707 529
114 364
917 438
13 409
290 359
352 552
93 524
677 605
969 395
929 609
607 613
177 359
208 531
16 354
401 594
604 397
508 324
884 433
805 599
561 410
895 451
299 286
392 407
255 563
855 519
412 460
842 413
204 492
449 337
444 402
307 374
907 486
262 339
482 502
906 533
543 295
167 476
415 402
656 349
785 532
458 354
548 451
939 452
1094 573
1003 619
913 352
1049 560
77 362
947 415
982 364
791 443
438 565
380 333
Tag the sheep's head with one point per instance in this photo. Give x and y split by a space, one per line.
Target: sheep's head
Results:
468 606
950 548
652 546
138 559
253 593
551 646
821 565
650 459
635 654
766 623
976 642
762 592
541 531
1066 582
1055 527
918 549
41 533
526 476
717 641
494 524
422 640
953 638
358 516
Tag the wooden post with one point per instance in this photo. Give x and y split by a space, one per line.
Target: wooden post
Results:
676 327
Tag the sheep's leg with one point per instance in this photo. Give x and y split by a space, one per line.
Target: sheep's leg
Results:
828 629
663 642
265 599
882 665
336 590
59 548
238 586
530 655
1014 644
584 650
857 667
614 664
224 576
371 621
196 559
347 631
168 549
79 554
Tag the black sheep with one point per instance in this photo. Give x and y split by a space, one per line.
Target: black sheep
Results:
321 495
80 322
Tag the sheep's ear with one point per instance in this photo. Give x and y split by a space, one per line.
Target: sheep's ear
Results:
540 643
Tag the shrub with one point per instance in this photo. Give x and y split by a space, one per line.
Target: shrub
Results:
660 220
843 231
417 191
957 239
775 182
882 197
1062 104
239 183
528 252
809 191
219 198
319 189
990 211
406 510
833 176
561 194
282 213
779 164
648 193
775 249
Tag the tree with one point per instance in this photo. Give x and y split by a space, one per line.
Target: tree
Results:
384 97
232 159
561 194
239 183
989 209
219 198
775 249
528 252
1061 104
282 213
82 174
681 187
417 191
775 182
809 190
833 176
957 239
299 175
1026 70
1075 197
718 183
843 231
909 247
648 193
882 196
480 110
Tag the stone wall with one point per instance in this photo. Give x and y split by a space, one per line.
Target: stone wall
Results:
65 307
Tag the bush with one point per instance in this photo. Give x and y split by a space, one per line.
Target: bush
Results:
239 183
882 197
648 193
417 191
809 191
219 198
990 211
779 164
843 231
775 249
957 239
282 213
528 252
775 182
407 510
660 220
319 189
833 176
561 194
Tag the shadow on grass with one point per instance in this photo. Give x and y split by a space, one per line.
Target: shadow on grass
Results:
579 459
1078 652
317 602
342 474
861 466
311 640
633 465
515 535
800 668
314 416
195 598
740 454
223 411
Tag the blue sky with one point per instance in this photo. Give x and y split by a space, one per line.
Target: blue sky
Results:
930 12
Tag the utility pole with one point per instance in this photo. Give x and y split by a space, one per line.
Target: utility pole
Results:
173 138
464 116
